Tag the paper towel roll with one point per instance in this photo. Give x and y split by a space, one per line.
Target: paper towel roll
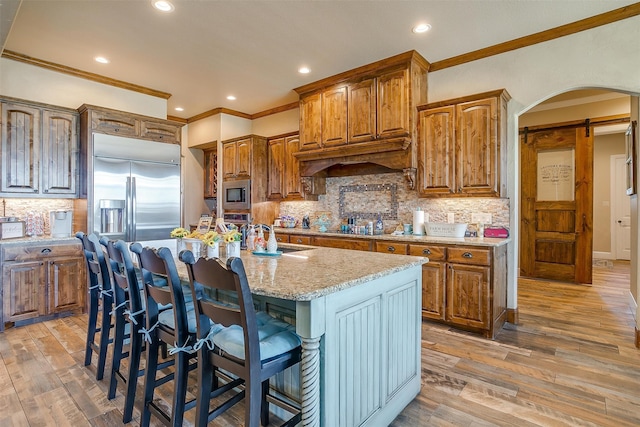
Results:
418 223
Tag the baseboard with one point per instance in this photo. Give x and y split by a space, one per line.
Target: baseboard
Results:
512 315
634 306
603 255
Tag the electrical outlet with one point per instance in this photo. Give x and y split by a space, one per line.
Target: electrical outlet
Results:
451 218
481 218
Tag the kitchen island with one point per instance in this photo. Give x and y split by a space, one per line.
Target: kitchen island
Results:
358 315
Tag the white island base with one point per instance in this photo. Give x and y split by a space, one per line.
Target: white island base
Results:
361 351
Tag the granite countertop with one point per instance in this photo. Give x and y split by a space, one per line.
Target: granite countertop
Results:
45 239
469 241
310 272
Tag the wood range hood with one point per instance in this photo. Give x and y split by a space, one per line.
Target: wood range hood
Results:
357 159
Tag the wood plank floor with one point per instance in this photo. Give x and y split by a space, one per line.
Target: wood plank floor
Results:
570 361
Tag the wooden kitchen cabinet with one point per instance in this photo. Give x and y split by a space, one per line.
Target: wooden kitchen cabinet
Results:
392 248
39 149
42 281
334 116
434 284
342 243
461 146
284 169
236 158
210 173
369 104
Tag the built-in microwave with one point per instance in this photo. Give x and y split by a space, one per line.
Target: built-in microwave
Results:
236 195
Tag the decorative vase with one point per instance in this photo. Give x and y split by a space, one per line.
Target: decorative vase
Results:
233 249
272 243
180 245
213 251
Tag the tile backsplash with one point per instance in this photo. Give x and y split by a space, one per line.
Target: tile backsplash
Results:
367 196
20 208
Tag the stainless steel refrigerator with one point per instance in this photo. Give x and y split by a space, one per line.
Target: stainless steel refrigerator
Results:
134 188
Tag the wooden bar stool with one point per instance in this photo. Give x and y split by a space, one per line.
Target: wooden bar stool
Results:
100 302
252 346
175 326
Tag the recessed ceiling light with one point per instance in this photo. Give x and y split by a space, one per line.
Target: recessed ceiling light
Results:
101 59
179 109
421 28
304 70
163 5
231 98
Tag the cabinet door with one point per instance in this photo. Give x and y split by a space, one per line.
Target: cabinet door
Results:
300 240
436 162
334 117
362 111
114 123
229 159
20 149
393 104
311 122
468 297
292 184
433 290
392 248
276 154
244 158
342 243
160 131
477 147
24 290
210 174
59 152
65 284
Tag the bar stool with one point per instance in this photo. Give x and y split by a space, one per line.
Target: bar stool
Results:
129 320
100 302
252 346
175 327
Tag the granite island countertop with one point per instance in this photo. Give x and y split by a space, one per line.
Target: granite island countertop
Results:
310 272
468 241
39 240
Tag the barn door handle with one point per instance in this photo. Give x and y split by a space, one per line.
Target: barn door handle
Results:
584 222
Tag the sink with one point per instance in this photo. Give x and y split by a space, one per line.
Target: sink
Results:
287 249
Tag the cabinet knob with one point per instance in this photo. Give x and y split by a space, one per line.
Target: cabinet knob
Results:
467 255
427 251
391 249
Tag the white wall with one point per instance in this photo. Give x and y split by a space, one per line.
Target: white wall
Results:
606 57
25 81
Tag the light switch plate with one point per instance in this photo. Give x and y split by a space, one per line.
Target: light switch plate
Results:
451 218
481 218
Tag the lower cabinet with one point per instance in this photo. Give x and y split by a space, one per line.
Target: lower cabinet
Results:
464 286
41 281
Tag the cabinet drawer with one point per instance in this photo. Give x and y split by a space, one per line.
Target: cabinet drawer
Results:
300 240
341 243
282 238
28 253
113 123
469 256
392 248
434 253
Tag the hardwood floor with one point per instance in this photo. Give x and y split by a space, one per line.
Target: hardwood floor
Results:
570 361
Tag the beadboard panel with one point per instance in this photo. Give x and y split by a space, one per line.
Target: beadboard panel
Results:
359 335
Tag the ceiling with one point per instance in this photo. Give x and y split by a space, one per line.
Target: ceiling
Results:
208 49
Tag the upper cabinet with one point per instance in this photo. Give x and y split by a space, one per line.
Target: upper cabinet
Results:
236 158
284 170
462 149
39 150
364 115
120 123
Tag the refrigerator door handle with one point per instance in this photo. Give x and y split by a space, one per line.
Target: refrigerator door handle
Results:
133 209
127 212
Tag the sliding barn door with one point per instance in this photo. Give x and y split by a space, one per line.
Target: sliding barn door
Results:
557 204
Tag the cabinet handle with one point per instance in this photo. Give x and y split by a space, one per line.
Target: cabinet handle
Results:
467 255
391 249
299 241
427 251
279 239
45 251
